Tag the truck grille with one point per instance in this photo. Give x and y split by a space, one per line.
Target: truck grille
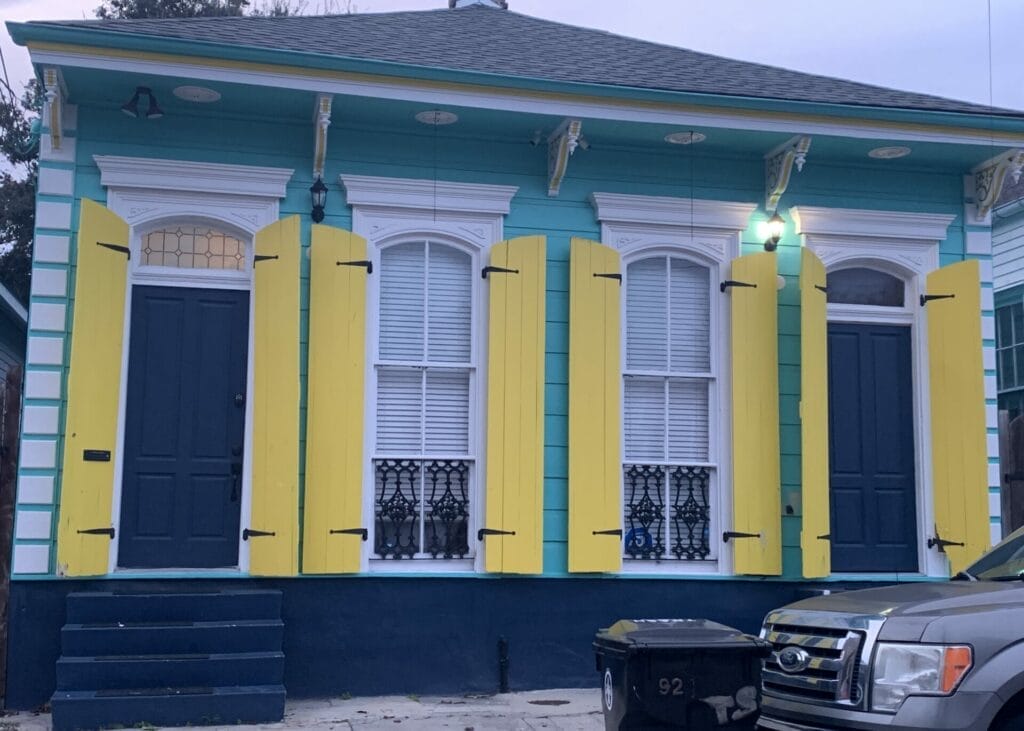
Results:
814 663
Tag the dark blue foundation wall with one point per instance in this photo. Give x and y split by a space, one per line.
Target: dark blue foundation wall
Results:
390 635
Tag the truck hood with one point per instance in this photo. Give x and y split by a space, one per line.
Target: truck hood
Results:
918 599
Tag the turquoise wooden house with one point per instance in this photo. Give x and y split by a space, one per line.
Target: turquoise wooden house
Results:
430 342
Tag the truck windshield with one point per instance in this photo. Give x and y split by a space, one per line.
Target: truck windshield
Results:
1005 562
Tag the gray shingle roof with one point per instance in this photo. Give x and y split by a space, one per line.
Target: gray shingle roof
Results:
481 39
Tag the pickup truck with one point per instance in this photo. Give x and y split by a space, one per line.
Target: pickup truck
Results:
914 657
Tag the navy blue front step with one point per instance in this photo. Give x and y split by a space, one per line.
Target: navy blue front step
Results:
106 606
170 660
180 671
79 710
248 635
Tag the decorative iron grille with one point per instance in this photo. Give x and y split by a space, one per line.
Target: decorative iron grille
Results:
667 513
422 508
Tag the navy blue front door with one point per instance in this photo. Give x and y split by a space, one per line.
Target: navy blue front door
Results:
871 448
184 428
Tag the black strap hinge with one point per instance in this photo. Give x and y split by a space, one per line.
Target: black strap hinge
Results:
729 535
821 288
826 537
247 534
611 275
484 532
1013 476
497 270
366 264
263 257
97 532
612 532
926 298
941 543
116 247
733 283
361 532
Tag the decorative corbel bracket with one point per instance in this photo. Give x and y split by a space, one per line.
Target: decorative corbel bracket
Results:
55 92
322 120
989 178
561 145
778 167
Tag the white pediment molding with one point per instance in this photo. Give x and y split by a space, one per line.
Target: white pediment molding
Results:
193 177
709 229
855 222
435 195
668 211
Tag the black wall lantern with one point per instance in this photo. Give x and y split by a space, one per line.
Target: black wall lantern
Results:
318 191
775 226
131 107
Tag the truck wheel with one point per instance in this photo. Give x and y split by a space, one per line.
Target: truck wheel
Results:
1013 722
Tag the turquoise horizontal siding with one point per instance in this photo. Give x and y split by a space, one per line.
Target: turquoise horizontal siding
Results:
505 160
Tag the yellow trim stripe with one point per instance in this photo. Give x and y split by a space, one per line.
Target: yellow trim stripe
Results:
882 126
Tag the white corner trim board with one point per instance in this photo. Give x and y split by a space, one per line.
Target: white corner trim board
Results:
35 490
30 559
813 221
52 249
45 351
196 177
366 190
667 211
33 525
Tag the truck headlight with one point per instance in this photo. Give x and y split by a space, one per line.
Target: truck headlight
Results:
902 670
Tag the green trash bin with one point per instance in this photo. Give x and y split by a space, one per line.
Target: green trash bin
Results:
679 674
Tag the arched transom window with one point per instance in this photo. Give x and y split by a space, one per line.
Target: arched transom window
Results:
423 461
865 286
669 384
192 246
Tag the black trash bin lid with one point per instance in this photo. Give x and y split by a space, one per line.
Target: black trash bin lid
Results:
673 633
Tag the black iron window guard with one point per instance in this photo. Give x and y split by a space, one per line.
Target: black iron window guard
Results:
667 515
421 508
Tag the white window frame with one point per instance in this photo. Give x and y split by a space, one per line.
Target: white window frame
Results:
470 217
149 193
707 232
905 245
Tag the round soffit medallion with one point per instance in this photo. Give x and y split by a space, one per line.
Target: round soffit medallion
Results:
685 138
889 153
197 94
437 117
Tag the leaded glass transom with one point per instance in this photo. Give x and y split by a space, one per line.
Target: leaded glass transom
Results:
193 247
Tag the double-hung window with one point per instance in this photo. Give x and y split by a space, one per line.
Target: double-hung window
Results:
423 462
670 384
1010 357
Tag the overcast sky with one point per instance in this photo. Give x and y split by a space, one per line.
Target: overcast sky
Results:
934 46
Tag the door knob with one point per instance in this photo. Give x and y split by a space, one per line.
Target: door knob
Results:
239 400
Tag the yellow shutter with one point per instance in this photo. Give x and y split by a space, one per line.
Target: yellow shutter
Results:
814 542
959 461
94 387
595 430
755 416
273 532
333 521
514 524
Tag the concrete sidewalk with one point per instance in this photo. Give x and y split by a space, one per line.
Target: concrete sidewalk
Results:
556 710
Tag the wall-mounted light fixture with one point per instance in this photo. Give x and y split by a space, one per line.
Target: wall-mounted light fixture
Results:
318 191
131 107
773 230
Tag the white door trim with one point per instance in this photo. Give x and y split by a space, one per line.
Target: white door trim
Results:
905 245
169 196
